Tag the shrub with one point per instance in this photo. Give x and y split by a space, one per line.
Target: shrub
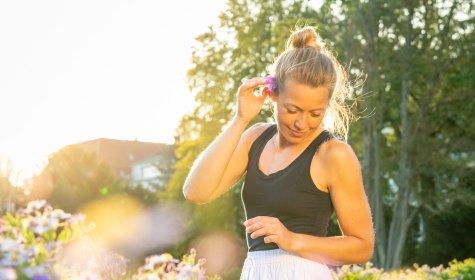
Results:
456 270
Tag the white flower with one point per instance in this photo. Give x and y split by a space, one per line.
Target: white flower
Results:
42 224
59 214
14 258
77 218
35 205
8 244
154 260
7 274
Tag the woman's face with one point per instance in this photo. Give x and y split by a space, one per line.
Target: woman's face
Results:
299 111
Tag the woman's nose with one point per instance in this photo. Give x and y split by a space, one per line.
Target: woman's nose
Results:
301 122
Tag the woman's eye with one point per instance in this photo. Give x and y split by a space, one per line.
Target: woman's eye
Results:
291 112
315 115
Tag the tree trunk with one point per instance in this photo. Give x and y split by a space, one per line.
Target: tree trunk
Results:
372 129
376 201
401 218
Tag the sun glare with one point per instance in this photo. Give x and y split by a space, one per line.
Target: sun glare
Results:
78 71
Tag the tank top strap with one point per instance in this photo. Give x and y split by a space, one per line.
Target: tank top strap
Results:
317 142
260 142
307 156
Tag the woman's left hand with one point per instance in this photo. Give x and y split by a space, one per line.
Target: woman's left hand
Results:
273 230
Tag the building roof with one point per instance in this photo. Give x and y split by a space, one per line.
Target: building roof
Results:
121 154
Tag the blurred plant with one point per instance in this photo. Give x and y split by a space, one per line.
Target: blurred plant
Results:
455 270
357 272
164 266
42 243
35 243
83 259
461 270
31 239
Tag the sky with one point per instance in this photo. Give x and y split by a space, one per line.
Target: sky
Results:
72 71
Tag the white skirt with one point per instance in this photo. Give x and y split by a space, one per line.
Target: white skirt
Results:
279 264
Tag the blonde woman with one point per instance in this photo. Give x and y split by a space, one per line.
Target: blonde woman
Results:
297 172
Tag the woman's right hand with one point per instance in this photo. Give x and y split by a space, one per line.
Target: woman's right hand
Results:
249 105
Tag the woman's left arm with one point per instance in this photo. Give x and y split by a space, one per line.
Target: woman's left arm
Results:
352 209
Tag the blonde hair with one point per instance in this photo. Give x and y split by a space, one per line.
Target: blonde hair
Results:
306 60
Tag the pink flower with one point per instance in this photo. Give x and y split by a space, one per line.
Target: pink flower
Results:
271 83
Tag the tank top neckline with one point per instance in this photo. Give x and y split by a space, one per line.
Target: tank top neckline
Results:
290 165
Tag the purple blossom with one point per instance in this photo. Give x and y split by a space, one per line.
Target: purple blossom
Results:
271 83
41 277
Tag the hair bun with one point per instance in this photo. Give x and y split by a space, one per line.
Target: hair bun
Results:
304 38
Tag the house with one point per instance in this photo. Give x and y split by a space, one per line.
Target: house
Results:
153 172
145 163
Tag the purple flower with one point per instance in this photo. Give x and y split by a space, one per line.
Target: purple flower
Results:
41 277
271 83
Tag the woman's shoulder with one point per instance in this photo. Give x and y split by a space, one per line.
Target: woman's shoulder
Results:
338 163
253 132
337 152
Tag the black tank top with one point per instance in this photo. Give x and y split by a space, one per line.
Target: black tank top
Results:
289 194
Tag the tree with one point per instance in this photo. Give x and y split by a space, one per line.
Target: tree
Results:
74 176
394 43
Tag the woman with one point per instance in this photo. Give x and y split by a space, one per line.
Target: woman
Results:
297 172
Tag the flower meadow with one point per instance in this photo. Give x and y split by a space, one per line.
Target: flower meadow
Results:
42 243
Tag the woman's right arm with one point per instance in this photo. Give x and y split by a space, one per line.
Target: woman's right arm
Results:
224 161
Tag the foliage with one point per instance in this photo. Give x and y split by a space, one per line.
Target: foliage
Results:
455 270
449 238
74 176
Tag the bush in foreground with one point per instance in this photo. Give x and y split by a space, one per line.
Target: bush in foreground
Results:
456 270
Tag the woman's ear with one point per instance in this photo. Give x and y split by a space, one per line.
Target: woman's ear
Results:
270 94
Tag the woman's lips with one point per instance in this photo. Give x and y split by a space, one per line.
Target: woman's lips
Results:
296 133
